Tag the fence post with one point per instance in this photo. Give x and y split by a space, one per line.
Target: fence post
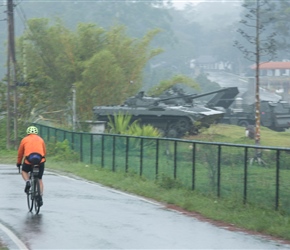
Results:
175 160
193 166
73 140
103 149
113 154
141 156
55 135
127 154
245 175
48 134
81 146
156 159
219 172
92 148
277 179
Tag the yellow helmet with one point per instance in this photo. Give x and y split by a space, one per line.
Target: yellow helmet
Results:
32 130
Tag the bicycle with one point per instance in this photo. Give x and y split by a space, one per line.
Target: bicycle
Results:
34 193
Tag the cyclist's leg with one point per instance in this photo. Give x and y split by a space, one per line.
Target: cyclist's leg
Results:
40 174
38 197
41 186
26 168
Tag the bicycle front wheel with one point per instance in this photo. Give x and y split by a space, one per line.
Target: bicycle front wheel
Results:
36 196
30 198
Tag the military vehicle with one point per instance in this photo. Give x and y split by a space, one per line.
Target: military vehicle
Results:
172 120
223 99
274 111
273 115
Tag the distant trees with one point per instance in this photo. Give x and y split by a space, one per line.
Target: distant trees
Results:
206 29
137 16
59 56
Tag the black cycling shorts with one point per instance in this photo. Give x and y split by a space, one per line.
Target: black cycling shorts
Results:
27 168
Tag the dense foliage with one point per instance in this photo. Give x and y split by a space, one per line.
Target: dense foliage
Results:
104 67
108 53
122 124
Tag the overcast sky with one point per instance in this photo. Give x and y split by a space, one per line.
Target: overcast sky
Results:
181 3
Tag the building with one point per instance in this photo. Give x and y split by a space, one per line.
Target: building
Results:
275 76
209 63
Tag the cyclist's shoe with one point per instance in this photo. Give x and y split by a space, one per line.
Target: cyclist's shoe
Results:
39 200
27 187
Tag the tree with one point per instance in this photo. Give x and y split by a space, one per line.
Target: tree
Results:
105 66
166 84
260 45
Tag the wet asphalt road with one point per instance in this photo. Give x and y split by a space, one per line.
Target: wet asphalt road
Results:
226 80
80 215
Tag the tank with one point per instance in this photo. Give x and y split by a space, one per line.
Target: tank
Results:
223 98
173 120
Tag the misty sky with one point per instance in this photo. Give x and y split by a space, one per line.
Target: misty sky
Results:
181 3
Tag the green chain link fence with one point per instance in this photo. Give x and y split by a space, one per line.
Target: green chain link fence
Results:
220 169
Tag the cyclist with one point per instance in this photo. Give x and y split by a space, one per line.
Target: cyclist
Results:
32 143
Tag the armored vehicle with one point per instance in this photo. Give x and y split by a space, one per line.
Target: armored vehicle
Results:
274 115
172 120
274 111
223 99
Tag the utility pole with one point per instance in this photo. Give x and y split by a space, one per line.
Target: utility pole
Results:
11 77
257 76
8 128
74 107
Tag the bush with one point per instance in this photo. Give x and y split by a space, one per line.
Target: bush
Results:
168 183
121 124
61 151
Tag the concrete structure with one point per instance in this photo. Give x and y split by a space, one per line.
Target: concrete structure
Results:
97 126
275 76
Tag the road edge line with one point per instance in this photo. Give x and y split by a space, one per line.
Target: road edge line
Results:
13 237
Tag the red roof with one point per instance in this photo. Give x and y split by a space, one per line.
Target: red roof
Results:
273 65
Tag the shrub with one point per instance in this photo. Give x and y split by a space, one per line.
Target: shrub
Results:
121 124
61 151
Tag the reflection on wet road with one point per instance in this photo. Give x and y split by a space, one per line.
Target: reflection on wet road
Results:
80 215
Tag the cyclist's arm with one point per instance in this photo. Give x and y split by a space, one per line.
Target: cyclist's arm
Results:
20 153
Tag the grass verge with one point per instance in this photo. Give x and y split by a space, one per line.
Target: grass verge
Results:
248 217
2 247
267 222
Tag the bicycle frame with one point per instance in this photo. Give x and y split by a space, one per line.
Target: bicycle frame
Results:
34 191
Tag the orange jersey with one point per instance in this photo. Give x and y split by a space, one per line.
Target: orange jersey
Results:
32 143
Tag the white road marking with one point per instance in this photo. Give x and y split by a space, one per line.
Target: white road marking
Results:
13 237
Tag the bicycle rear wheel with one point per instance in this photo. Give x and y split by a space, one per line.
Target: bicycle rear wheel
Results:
30 197
36 196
